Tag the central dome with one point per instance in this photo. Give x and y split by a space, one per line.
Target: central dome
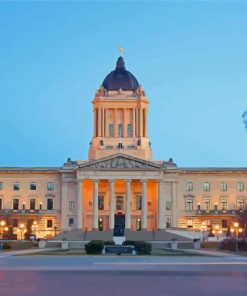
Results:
120 78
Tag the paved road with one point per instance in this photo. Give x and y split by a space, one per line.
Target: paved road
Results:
98 275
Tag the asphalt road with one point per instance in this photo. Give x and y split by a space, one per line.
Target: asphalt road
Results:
97 275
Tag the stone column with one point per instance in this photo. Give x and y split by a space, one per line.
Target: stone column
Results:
106 123
174 204
144 205
79 204
111 209
103 122
125 123
160 224
95 204
99 122
127 206
64 206
115 124
141 122
95 114
133 123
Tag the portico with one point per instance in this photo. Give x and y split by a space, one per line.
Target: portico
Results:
133 193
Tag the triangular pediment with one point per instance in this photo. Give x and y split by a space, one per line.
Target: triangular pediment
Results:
121 162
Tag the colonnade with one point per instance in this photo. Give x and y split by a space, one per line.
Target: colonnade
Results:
160 214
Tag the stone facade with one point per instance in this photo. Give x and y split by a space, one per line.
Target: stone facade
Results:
120 184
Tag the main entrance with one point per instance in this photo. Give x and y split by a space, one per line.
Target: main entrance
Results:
119 224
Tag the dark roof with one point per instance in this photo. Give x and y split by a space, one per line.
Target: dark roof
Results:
120 78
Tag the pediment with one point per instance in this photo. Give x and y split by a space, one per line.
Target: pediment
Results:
121 162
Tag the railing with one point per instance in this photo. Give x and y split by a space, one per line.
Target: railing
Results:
218 212
36 212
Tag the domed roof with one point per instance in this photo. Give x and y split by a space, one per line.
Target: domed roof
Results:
120 78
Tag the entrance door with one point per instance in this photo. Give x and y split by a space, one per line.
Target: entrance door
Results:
119 225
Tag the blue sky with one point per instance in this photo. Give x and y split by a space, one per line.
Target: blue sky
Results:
190 57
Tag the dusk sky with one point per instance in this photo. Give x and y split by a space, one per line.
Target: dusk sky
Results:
190 58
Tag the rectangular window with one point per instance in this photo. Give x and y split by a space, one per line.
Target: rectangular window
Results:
49 223
71 205
101 202
129 130
168 205
71 222
138 202
1 185
206 186
15 222
16 204
111 130
224 203
32 204
189 186
223 186
190 223
206 204
224 223
168 222
189 205
49 204
240 186
240 203
50 186
120 130
16 186
33 186
1 203
119 203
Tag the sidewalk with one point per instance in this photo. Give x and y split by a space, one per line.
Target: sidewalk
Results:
213 253
26 252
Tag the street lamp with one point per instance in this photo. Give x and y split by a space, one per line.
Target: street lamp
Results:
217 231
236 229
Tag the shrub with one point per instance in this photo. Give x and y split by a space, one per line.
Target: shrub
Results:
6 246
109 243
230 244
94 247
142 247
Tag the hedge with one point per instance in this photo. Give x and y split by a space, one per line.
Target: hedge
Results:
142 247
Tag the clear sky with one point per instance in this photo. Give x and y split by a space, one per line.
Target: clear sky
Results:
190 57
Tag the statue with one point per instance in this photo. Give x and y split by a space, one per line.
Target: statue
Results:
139 92
101 92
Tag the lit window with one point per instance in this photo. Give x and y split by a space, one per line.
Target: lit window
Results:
240 186
101 202
138 202
189 205
168 205
49 223
119 203
190 223
16 186
120 130
71 222
1 185
50 186
49 204
33 186
224 223
168 222
129 130
32 204
189 186
223 186
71 205
240 203
224 203
16 204
111 130
206 204
206 186
1 203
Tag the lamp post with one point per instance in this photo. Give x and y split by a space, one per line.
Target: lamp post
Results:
203 230
217 231
236 229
